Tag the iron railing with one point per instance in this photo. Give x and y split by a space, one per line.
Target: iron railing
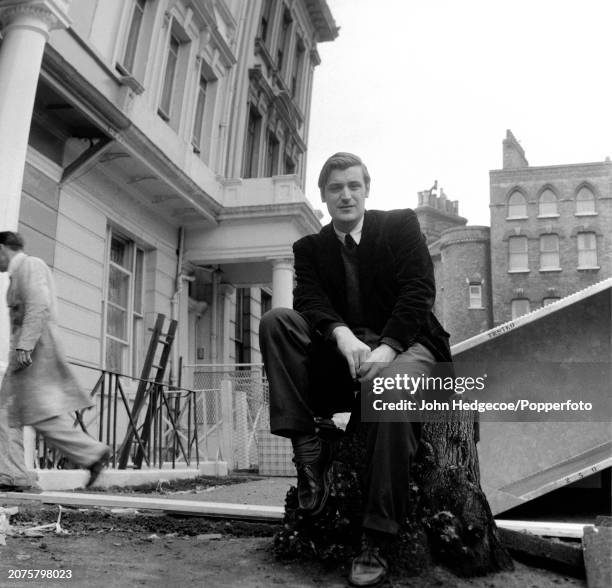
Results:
170 436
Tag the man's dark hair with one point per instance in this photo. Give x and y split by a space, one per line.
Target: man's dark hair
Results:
341 161
11 240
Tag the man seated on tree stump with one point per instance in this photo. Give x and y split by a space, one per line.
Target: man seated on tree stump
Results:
363 299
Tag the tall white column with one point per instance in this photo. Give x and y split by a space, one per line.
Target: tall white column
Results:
25 26
25 29
227 292
282 283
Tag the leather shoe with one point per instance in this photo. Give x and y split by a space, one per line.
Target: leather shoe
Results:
314 481
369 568
95 469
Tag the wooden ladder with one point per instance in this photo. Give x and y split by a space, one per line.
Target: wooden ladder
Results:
148 391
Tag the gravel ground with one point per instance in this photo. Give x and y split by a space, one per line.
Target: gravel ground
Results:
116 549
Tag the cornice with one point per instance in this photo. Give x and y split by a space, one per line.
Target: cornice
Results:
53 13
112 122
526 172
299 212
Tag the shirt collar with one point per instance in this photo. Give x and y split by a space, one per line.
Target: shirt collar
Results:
15 262
355 233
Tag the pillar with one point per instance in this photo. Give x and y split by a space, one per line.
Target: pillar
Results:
25 26
227 292
282 283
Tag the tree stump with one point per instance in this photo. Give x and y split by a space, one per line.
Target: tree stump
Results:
448 520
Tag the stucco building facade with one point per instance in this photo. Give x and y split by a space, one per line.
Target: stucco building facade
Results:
154 153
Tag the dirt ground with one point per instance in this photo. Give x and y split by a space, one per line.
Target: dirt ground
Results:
104 549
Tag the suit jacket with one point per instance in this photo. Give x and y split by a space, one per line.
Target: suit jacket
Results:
46 388
396 281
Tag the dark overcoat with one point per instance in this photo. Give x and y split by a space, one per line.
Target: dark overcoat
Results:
396 281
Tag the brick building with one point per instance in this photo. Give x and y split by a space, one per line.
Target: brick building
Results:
550 236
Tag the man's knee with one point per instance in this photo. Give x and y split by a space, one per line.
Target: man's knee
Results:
277 318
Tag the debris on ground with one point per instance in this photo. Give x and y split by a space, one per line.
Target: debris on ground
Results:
180 486
551 553
5 525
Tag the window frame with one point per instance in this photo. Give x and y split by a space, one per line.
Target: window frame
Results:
168 83
265 21
475 301
132 37
272 155
284 40
297 73
582 251
134 270
553 253
250 164
199 115
593 210
542 204
525 253
523 215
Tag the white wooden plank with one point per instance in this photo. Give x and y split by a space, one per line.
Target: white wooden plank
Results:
549 529
530 317
215 509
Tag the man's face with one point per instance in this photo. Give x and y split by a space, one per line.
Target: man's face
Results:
344 194
4 258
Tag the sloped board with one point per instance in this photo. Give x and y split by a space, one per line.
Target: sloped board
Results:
522 460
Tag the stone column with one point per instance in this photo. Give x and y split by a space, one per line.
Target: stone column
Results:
227 293
25 26
282 283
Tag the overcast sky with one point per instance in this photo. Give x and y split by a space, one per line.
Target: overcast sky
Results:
424 90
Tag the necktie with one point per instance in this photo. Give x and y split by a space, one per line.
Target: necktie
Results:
349 242
351 272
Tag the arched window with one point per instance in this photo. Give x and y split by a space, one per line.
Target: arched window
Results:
548 203
585 201
517 205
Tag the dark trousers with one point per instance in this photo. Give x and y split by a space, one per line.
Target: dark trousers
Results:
308 377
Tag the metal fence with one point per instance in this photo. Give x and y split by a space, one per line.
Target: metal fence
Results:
231 404
232 415
163 434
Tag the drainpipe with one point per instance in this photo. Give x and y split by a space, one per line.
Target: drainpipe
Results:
174 305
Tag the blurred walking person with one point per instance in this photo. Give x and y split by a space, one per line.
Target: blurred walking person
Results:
39 386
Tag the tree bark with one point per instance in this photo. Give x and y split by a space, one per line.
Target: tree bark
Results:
448 519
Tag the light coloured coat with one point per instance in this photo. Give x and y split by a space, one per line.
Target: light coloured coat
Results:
47 387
